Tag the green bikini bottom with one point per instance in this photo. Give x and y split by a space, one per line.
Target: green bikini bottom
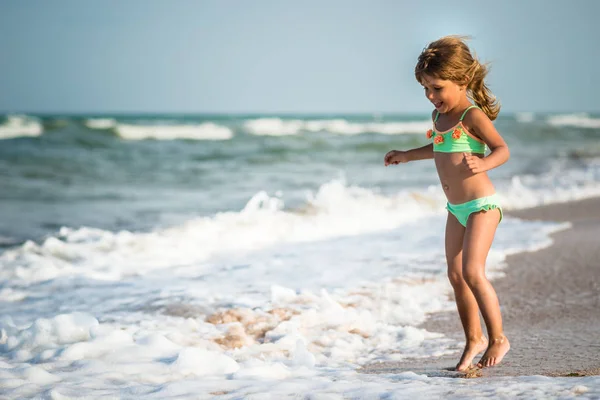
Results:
464 210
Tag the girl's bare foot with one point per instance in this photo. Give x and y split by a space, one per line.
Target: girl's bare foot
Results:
495 352
472 348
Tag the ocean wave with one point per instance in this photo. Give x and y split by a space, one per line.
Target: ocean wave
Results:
525 117
335 210
580 120
282 127
558 185
20 126
204 131
100 123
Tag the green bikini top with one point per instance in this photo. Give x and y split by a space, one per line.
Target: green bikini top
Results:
456 139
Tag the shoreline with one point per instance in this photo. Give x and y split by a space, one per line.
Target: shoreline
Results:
550 302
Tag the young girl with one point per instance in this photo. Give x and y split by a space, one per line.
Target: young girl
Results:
451 76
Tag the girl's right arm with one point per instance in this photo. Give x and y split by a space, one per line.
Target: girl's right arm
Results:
399 156
420 153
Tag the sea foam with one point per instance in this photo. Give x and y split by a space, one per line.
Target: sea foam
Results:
579 120
20 126
203 131
283 127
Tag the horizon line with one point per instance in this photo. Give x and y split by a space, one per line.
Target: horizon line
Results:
259 113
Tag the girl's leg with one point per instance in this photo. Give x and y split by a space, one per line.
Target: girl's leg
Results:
465 301
479 235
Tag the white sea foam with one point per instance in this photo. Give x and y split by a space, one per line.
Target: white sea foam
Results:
263 222
264 299
283 127
335 210
559 184
280 341
20 126
204 131
100 123
580 120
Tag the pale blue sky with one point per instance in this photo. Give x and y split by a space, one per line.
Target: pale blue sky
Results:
322 56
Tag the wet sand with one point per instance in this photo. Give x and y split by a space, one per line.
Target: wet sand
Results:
550 302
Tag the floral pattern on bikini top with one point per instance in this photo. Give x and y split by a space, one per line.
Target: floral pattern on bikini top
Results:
455 140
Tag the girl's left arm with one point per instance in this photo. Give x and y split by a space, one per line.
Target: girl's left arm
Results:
481 126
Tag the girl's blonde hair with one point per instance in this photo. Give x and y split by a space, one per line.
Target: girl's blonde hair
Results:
450 58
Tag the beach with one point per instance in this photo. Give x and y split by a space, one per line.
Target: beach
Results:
550 302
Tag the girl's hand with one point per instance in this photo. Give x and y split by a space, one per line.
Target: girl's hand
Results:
474 163
395 157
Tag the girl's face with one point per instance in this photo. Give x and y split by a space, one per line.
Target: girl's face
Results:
444 95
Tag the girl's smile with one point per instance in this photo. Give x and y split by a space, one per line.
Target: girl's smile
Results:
443 94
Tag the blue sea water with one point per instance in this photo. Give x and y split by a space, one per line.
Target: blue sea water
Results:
140 172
